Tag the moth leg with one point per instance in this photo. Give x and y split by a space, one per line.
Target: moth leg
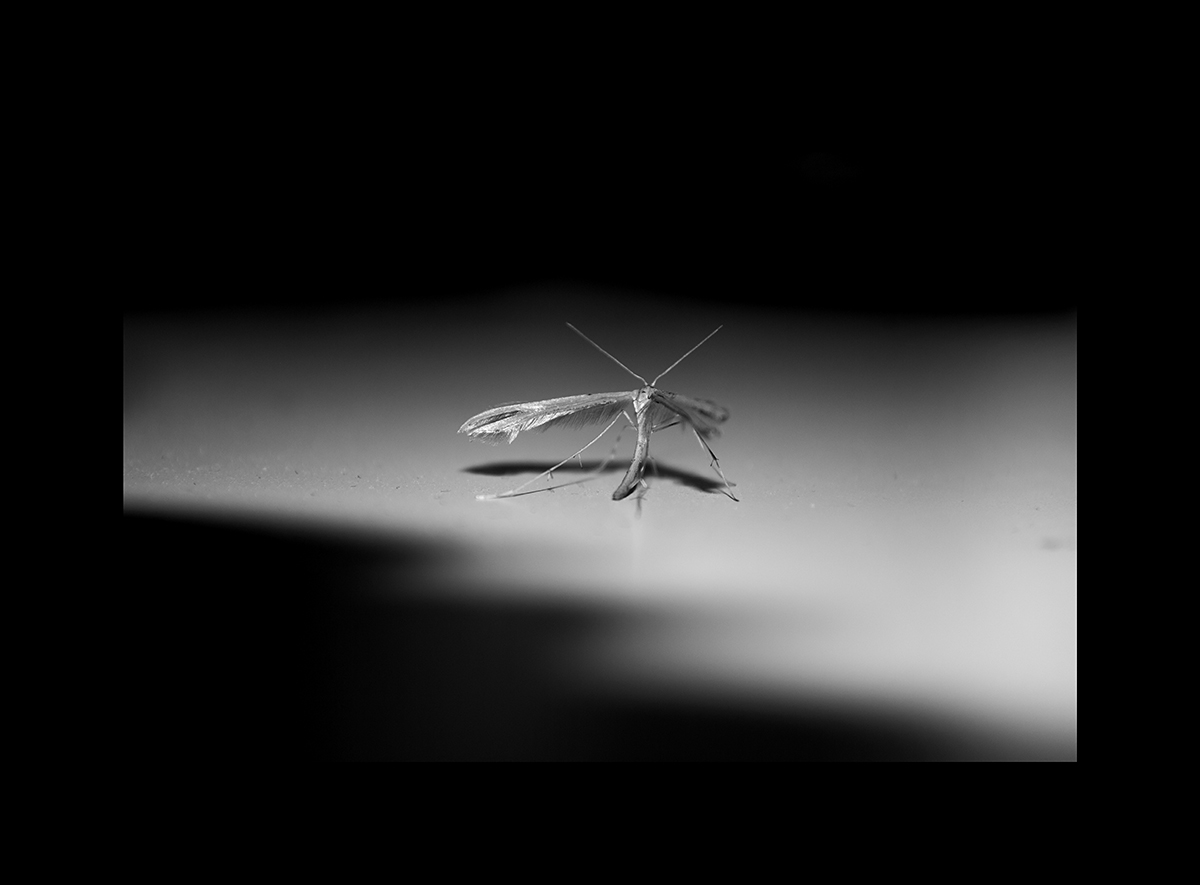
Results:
641 450
511 493
642 486
715 464
616 442
645 486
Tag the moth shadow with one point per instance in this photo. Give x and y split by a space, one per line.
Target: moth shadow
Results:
665 471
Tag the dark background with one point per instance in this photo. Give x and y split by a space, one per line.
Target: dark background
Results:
303 192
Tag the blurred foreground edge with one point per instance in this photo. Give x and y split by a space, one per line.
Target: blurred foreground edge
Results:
268 641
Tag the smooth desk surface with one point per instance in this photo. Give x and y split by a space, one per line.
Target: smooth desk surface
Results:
905 539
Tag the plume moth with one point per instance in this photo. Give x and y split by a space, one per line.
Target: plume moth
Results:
652 410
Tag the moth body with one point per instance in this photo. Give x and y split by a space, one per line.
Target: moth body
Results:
647 408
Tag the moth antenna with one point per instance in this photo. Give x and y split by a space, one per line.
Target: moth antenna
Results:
613 358
682 358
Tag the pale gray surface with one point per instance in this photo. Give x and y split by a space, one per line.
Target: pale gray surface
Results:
905 538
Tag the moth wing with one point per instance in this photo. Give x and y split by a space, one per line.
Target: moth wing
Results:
703 414
506 421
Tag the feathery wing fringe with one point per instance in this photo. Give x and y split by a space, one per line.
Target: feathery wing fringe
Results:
703 414
506 421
